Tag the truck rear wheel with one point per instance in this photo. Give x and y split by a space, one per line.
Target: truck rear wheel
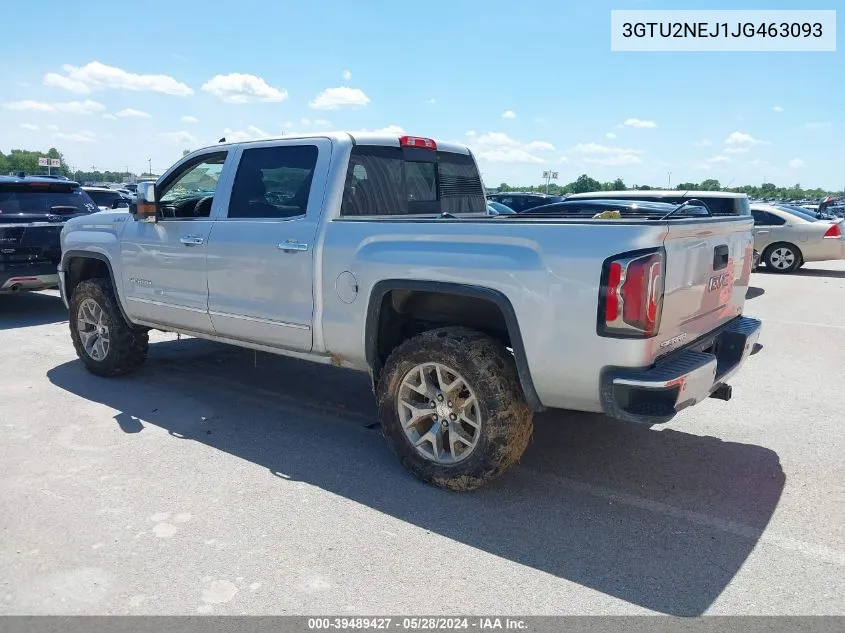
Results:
452 409
106 344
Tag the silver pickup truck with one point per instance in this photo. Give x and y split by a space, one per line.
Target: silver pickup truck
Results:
376 253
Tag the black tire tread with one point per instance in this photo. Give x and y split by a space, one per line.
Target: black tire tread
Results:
128 344
799 258
507 420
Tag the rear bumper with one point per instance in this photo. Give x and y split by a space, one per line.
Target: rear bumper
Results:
18 277
682 379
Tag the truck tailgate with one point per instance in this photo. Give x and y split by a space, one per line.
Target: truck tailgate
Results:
708 266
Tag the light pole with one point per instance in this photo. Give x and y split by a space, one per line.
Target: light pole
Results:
150 166
670 179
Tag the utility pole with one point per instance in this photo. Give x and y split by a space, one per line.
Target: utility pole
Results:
150 166
670 180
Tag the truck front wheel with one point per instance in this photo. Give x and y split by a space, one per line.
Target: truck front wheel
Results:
106 344
452 409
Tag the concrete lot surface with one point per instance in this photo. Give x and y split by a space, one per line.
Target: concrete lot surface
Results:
220 481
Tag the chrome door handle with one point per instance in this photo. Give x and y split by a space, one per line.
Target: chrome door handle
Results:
191 240
292 246
760 232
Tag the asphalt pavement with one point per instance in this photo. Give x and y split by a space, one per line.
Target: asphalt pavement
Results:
218 480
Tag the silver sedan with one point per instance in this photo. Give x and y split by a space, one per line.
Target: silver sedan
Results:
786 237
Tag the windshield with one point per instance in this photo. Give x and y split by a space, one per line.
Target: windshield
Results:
798 212
27 199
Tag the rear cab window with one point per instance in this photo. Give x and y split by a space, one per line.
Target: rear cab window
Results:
401 181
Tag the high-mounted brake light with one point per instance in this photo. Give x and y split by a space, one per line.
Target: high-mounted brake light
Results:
834 231
631 295
416 141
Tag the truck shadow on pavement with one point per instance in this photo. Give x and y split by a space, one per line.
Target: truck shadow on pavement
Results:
660 518
27 309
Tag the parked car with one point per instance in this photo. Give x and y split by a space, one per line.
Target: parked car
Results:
787 237
465 322
497 208
719 202
106 198
32 212
521 201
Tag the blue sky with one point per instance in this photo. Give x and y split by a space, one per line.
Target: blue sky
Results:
108 93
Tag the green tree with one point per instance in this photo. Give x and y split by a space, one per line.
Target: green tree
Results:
688 186
584 184
711 184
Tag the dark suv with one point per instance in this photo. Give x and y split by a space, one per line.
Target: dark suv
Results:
32 213
519 201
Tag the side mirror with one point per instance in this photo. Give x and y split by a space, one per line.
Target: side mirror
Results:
119 202
145 209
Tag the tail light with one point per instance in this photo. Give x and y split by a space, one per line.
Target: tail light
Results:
416 141
834 231
631 295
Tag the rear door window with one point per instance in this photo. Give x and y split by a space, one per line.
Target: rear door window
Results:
410 181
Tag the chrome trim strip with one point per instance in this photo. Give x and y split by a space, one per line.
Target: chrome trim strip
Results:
163 304
242 317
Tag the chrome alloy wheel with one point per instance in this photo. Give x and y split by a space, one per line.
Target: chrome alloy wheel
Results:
439 413
93 332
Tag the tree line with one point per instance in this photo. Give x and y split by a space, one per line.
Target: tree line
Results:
585 183
21 160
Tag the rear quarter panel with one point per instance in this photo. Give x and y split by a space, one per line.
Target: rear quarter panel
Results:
549 271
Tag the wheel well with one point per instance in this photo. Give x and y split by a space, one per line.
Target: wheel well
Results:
405 313
400 309
769 248
79 269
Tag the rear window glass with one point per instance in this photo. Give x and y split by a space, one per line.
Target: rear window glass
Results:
798 212
392 181
104 198
717 206
25 199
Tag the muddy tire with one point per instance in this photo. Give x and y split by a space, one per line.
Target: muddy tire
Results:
460 386
106 344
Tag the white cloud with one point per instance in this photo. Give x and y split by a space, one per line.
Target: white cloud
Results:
713 160
610 135
817 125
189 119
736 150
498 147
179 137
705 142
76 137
323 123
242 88
346 75
69 107
97 76
258 131
29 126
563 159
432 101
608 156
540 146
777 108
53 127
743 139
639 123
109 117
343 97
132 113
305 122
389 129
796 163
508 114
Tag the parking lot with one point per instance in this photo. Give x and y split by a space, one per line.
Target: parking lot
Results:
217 480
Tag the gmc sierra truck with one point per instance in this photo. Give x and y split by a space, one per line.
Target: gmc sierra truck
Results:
376 253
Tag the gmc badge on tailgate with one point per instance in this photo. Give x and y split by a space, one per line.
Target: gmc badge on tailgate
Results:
718 282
